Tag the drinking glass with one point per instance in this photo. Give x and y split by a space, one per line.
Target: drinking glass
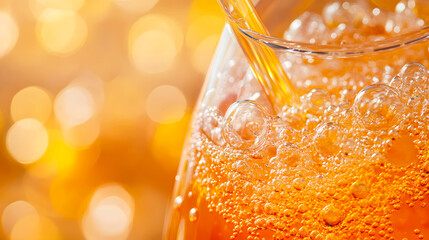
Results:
348 160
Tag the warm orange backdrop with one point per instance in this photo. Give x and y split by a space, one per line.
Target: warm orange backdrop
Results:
95 99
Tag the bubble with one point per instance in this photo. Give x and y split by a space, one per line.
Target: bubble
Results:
331 236
316 101
347 97
426 167
359 189
414 79
303 232
289 153
293 116
351 13
241 166
212 125
378 158
396 83
302 208
246 125
271 209
374 201
378 107
281 131
178 202
193 215
299 183
309 27
329 137
331 215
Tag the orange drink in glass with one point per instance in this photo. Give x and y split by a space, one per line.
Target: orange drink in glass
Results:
350 160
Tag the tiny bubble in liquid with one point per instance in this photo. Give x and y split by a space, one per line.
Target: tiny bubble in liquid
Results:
359 189
193 215
331 215
328 138
178 202
299 183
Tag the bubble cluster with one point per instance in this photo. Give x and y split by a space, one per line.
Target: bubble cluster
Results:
319 166
328 138
353 21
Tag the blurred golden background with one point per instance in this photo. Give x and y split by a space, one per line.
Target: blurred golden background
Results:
95 99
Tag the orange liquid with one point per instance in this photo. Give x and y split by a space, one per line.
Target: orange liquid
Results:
394 212
342 166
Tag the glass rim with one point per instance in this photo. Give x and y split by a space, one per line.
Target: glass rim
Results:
383 45
346 50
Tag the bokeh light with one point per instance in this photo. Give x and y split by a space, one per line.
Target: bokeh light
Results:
34 227
14 212
61 32
8 33
154 41
203 53
82 135
31 102
96 9
166 104
124 100
73 106
198 30
166 149
93 93
38 6
109 215
93 84
27 141
136 6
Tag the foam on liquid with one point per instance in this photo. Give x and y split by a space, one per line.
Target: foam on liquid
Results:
353 155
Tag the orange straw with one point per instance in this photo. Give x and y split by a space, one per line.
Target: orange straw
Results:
262 59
